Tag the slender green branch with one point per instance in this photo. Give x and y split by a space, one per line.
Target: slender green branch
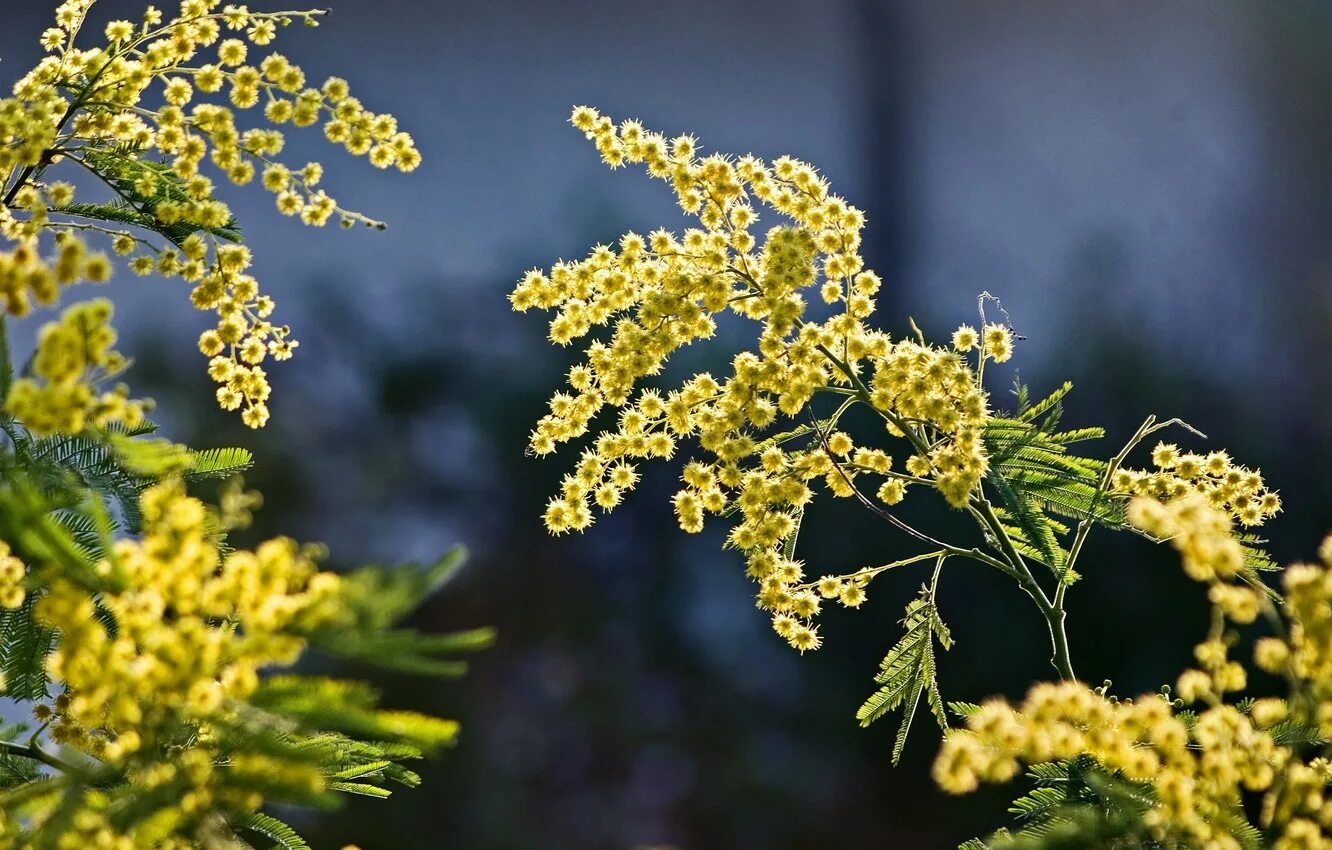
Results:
18 184
36 753
1015 566
972 553
1148 427
904 477
1012 564
985 512
1061 659
1084 527
6 360
870 572
934 579
1053 614
862 392
97 228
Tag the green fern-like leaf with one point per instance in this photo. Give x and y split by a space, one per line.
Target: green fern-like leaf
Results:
1044 406
1033 530
963 710
1292 732
348 707
406 650
88 534
1037 480
24 645
908 672
274 830
361 789
1255 556
1076 435
219 463
375 599
124 172
1038 803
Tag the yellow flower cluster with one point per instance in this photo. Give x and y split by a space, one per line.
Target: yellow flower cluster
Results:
74 357
1198 768
96 822
1200 532
1305 652
193 627
662 292
937 388
27 278
1195 770
995 341
1237 490
659 293
28 126
85 106
12 573
167 736
152 696
1203 535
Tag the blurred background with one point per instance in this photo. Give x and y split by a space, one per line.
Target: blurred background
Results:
1147 186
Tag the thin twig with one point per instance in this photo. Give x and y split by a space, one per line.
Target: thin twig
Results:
35 753
973 553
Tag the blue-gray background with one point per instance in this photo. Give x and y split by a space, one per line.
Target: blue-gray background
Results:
1146 185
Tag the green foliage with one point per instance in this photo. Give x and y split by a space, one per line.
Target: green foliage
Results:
161 729
282 835
1078 804
349 706
55 511
1034 476
1074 803
217 463
24 645
116 463
963 710
123 171
1293 732
37 524
375 598
908 671
15 770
